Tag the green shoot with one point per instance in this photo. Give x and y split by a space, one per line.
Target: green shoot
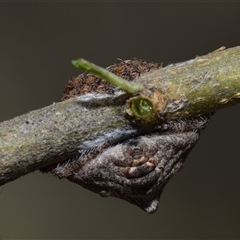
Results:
130 87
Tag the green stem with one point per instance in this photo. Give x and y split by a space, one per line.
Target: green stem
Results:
130 87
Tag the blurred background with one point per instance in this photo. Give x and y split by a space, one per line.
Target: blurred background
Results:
38 40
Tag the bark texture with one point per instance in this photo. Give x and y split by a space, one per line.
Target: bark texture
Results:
53 134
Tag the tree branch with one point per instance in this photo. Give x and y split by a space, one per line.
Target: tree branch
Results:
53 134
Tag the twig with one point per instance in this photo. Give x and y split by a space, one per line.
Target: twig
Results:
52 134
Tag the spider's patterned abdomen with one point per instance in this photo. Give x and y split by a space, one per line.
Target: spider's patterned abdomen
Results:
135 165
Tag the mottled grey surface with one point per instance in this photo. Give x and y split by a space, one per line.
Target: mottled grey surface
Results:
38 42
136 169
